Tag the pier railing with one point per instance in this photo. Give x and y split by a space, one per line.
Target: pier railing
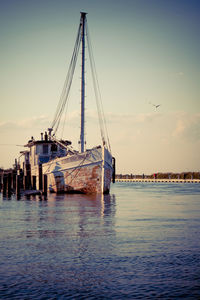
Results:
157 180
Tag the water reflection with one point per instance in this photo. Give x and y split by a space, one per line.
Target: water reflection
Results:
82 247
66 215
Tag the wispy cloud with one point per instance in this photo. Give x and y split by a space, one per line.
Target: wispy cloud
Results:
34 122
132 118
139 141
187 127
177 125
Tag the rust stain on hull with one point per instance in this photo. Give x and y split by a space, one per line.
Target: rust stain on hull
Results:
86 179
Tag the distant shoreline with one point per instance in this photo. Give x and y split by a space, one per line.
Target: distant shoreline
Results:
159 175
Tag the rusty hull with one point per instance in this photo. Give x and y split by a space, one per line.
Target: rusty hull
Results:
88 173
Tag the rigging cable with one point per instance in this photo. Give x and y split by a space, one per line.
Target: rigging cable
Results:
102 121
64 122
67 84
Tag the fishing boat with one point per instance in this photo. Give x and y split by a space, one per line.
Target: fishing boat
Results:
53 163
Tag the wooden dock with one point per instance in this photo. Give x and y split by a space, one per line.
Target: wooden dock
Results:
157 180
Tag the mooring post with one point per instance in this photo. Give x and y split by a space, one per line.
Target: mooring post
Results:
40 178
34 182
28 176
5 182
44 185
13 180
18 183
0 182
9 184
24 183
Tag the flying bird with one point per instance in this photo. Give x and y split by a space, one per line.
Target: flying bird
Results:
155 105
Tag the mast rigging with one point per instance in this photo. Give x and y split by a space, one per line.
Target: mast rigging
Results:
80 39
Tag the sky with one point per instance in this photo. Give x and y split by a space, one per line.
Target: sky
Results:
146 52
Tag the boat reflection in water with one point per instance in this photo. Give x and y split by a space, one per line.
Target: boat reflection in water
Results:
69 215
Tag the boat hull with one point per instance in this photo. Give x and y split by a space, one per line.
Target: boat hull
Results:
89 172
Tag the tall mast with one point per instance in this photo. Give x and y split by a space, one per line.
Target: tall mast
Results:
82 137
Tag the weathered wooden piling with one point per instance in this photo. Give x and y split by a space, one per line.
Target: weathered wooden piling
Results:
18 183
5 182
24 183
40 178
34 182
14 173
9 183
28 176
44 191
1 183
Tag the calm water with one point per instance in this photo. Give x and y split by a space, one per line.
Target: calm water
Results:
141 242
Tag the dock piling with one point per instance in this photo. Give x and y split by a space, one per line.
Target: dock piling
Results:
5 182
34 182
44 192
9 184
40 178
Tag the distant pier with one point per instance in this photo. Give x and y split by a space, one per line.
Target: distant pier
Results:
157 180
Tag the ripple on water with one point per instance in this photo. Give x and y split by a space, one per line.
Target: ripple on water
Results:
142 242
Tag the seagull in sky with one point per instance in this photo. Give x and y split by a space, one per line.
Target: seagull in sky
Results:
156 105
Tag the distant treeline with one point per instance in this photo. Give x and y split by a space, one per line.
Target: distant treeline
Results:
183 175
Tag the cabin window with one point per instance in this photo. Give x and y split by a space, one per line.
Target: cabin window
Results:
45 149
62 151
54 148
